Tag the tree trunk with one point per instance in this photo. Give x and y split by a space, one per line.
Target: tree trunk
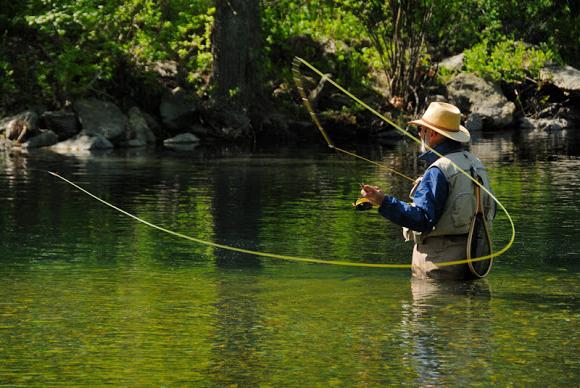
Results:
236 49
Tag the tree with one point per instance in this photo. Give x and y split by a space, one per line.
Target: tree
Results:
236 49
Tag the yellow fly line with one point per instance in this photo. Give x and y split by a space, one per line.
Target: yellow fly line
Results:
298 80
327 138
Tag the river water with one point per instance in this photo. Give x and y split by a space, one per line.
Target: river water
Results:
89 296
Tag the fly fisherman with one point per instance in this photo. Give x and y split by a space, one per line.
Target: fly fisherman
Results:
444 199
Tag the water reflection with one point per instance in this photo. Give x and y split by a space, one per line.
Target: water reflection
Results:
237 332
92 298
449 328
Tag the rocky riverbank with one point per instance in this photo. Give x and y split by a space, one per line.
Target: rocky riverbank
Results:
91 124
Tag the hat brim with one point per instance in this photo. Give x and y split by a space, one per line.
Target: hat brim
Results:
462 135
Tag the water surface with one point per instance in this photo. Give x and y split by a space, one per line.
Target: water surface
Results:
89 296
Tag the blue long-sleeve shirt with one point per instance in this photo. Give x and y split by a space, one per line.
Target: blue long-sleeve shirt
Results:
429 197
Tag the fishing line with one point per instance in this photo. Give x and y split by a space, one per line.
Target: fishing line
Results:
308 259
228 247
298 80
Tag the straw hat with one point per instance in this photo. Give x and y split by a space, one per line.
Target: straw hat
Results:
445 119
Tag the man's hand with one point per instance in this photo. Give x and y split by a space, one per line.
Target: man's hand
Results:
373 194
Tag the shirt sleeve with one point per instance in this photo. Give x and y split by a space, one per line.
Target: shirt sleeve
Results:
428 203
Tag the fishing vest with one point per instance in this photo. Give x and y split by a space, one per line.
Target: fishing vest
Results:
460 205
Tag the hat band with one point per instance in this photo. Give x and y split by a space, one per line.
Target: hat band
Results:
440 127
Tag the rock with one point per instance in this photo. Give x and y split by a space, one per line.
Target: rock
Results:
100 118
63 123
474 122
566 78
545 124
476 95
178 110
229 124
45 139
182 138
83 142
20 126
138 129
454 63
152 123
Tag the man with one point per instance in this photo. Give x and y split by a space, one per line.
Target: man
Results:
444 200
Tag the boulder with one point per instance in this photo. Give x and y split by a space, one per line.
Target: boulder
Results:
138 128
454 63
178 110
63 123
45 139
474 122
473 94
100 118
83 142
546 124
566 78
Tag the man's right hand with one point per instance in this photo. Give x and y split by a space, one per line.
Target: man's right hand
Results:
373 193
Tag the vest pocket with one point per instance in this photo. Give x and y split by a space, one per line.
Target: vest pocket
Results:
462 210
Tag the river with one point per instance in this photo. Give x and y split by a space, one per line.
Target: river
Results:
89 296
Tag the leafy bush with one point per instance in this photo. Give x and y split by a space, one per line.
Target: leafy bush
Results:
507 60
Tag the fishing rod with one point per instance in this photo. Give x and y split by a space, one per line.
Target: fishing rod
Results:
298 62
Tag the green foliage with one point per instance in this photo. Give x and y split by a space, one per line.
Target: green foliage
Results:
82 46
508 60
55 50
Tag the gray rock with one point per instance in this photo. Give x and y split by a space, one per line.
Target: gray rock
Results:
566 78
545 124
182 138
178 110
474 122
83 142
454 63
45 139
476 95
100 118
63 123
138 129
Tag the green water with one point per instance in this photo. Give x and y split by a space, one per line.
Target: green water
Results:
90 297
